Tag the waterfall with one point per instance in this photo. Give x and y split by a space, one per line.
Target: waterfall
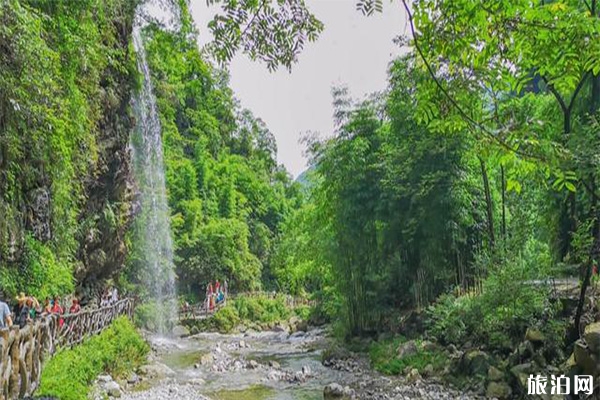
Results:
155 245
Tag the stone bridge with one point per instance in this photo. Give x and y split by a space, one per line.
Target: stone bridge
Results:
23 351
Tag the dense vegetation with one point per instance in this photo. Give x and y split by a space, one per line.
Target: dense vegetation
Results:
226 192
117 350
456 192
64 88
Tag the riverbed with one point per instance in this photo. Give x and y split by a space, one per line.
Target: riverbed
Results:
265 366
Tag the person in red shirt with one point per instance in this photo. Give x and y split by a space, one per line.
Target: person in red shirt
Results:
57 309
75 307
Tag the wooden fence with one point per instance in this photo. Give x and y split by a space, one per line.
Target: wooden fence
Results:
23 351
201 310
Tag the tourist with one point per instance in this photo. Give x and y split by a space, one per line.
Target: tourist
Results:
209 296
75 307
47 306
57 309
33 306
5 316
115 295
225 287
104 301
21 299
217 286
24 312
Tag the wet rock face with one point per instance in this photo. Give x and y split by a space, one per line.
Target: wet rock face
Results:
38 219
109 206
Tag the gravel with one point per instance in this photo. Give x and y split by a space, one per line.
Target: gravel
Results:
170 391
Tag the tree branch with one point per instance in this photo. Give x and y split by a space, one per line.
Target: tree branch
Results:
577 89
454 103
557 95
247 28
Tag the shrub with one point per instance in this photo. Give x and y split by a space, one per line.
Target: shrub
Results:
513 298
261 309
383 356
117 350
226 319
42 274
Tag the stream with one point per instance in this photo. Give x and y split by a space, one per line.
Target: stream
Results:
264 366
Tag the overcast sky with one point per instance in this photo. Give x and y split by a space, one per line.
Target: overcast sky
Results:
353 50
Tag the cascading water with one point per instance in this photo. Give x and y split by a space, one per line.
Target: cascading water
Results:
155 246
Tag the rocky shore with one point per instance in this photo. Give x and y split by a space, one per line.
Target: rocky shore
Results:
281 363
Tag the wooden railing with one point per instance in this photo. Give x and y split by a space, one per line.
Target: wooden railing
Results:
23 351
201 310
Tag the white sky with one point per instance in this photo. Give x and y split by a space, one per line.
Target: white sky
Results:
353 50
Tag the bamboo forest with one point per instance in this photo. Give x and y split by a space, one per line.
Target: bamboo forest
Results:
299 199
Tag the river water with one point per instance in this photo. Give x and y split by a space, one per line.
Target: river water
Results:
258 366
267 366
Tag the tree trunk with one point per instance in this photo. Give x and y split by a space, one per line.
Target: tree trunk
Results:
489 206
503 203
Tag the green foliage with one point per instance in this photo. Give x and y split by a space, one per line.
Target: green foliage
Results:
383 356
41 275
227 195
59 70
514 297
117 350
248 310
226 319
274 32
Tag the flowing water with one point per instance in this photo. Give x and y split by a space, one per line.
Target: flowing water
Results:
154 243
297 375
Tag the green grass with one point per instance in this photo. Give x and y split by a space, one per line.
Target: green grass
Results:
384 357
117 350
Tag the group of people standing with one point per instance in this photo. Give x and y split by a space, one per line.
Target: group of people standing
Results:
216 294
28 308
109 297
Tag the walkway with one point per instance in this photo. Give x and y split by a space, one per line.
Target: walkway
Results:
23 351
201 311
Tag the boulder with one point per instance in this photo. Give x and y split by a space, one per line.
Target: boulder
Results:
252 364
348 392
104 378
407 349
428 370
281 327
113 389
274 364
293 323
180 331
155 371
333 391
584 359
428 345
534 335
477 362
494 374
133 379
498 390
592 337
525 349
413 375
521 372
